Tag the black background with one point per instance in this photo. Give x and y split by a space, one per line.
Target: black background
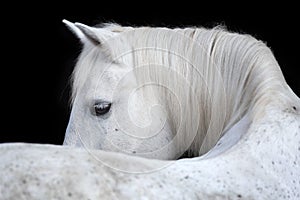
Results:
38 53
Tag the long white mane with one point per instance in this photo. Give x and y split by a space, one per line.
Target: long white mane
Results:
218 77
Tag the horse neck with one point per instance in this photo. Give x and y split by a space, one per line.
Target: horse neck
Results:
247 80
229 75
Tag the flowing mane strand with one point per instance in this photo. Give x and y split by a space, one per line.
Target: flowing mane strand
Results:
215 77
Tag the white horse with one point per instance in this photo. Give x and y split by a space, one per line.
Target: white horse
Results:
206 83
159 93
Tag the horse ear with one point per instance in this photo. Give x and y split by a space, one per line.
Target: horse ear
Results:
84 32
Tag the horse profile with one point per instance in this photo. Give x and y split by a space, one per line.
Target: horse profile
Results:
142 96
167 91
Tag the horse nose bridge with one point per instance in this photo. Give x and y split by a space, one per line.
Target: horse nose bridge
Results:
69 129
77 136
71 138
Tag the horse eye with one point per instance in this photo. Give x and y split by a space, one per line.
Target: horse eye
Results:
101 108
